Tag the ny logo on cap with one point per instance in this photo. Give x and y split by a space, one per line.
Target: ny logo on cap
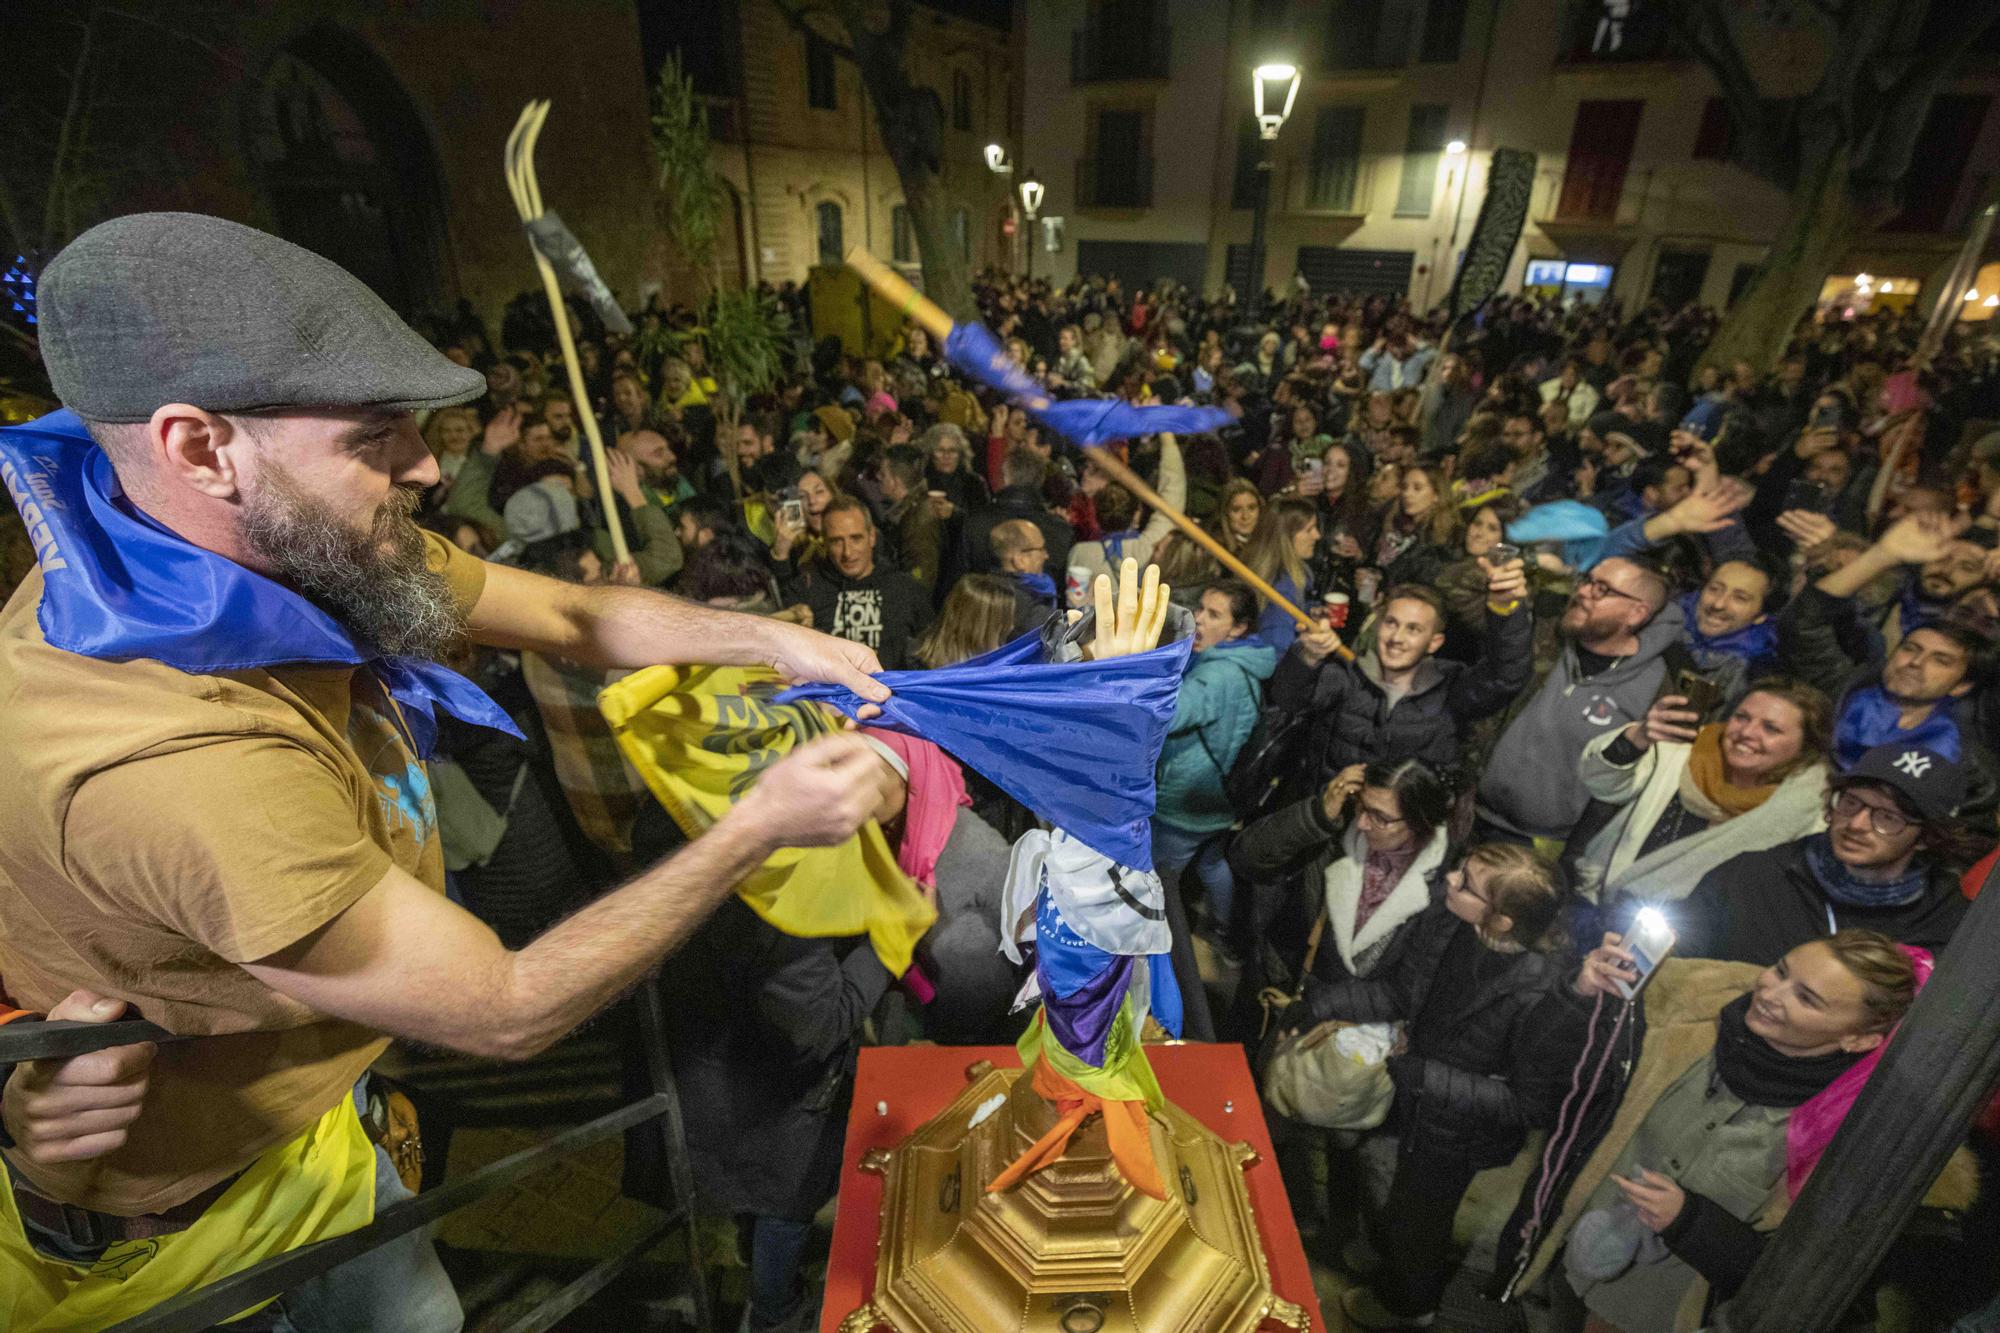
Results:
1914 762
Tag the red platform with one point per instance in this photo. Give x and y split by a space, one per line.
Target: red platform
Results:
1212 1083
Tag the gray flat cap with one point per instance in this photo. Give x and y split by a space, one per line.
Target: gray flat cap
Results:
160 308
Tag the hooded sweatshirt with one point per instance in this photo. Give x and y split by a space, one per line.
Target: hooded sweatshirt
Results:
1219 701
1531 786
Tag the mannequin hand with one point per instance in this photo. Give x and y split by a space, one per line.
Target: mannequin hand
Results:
1135 623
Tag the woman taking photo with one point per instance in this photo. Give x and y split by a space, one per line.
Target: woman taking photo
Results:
1372 844
1462 582
1673 799
1478 986
1420 529
1735 1096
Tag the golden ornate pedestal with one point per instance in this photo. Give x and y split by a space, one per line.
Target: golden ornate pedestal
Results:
1073 1248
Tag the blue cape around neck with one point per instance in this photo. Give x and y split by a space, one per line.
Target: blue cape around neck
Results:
119 585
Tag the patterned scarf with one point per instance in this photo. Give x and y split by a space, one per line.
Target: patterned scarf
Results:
1843 886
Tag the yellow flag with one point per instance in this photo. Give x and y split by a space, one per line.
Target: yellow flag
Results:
700 736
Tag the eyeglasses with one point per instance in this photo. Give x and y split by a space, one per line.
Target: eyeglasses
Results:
1368 814
1846 805
1599 588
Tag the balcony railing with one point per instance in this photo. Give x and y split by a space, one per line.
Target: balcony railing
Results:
1102 55
1114 182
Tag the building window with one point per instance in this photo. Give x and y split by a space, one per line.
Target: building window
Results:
1612 30
1938 162
1243 193
1336 158
1119 171
1600 153
1711 141
1420 160
961 232
820 85
961 100
1444 30
831 246
1371 34
902 241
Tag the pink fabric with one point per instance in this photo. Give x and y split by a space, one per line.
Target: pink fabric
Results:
879 403
937 790
1814 1124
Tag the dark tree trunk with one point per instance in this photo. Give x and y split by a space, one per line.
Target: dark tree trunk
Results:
1816 233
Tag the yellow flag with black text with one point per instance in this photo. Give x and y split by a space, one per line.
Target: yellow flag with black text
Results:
700 736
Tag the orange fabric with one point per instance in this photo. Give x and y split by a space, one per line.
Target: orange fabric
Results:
1124 1125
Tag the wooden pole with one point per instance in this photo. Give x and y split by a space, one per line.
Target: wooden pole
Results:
931 317
527 192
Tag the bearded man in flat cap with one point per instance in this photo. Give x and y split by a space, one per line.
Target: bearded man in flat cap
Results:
220 687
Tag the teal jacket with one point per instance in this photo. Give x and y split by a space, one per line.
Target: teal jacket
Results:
1219 703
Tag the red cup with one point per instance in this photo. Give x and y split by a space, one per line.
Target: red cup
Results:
1336 609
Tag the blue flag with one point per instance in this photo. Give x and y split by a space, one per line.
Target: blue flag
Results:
974 351
118 585
1075 742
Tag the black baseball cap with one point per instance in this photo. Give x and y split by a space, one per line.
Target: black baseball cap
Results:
1929 783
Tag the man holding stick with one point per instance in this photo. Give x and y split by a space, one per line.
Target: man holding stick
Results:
221 686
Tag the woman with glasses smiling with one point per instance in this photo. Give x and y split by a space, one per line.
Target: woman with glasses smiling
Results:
1888 861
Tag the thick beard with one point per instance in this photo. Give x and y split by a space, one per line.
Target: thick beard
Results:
377 584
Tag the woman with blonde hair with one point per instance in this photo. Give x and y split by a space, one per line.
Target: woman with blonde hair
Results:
1420 529
1282 557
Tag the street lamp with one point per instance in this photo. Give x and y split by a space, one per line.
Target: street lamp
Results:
1031 204
1273 89
996 160
1454 152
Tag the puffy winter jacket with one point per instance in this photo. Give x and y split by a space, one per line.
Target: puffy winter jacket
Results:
1473 1081
1218 706
1354 723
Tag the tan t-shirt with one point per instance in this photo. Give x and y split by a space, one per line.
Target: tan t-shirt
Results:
157 829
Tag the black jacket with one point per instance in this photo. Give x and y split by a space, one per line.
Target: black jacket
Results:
1354 724
885 609
1756 907
1474 1080
1010 503
764 1030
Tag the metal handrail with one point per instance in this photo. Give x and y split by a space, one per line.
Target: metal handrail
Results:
207 1306
204 1307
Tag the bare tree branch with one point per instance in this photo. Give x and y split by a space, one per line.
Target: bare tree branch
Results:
796 16
1704 26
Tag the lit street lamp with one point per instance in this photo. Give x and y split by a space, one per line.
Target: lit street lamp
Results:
1031 204
1273 89
996 160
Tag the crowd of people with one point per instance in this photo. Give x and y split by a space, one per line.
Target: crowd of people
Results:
1571 624
1591 625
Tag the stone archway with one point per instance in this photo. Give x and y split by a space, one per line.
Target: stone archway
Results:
346 167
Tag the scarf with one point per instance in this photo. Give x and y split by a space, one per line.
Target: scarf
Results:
1706 791
1041 585
1755 643
119 585
1843 886
1871 718
937 790
1814 1124
1762 1075
1913 609
1114 547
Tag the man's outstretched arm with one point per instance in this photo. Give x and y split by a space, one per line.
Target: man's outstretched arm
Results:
615 627
407 961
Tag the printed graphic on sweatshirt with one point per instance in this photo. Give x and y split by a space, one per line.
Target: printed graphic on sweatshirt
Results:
857 616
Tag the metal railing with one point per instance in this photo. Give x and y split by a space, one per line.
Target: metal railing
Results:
204 1307
1113 183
